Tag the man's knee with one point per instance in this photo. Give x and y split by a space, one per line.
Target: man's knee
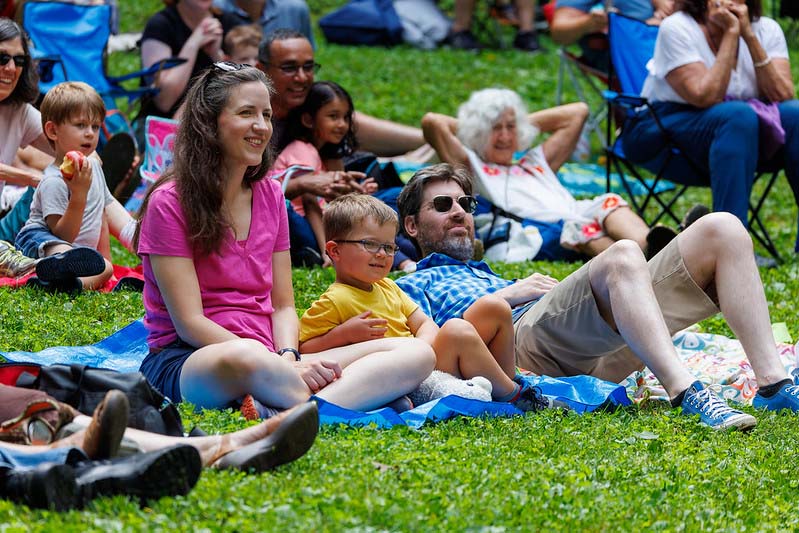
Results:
455 329
623 256
720 231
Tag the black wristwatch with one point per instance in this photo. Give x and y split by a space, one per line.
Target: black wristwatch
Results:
292 350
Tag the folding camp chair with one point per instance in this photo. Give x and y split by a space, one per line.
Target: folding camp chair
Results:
76 36
632 45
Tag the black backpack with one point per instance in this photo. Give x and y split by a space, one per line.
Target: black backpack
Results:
84 387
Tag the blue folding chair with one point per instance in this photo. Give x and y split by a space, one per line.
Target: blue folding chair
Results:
70 43
632 45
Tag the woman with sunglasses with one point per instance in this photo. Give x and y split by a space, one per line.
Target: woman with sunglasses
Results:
218 298
491 128
20 122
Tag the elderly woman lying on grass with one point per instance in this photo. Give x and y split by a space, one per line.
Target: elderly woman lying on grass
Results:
218 298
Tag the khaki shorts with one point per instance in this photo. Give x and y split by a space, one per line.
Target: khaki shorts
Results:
564 334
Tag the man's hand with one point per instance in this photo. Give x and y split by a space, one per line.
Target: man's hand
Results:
318 373
536 285
361 328
527 289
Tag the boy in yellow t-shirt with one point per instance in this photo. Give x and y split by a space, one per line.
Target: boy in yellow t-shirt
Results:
362 304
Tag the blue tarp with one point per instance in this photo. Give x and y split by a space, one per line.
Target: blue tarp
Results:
125 349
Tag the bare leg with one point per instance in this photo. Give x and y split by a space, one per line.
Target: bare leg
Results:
462 20
594 247
564 123
491 317
386 138
377 372
623 223
217 374
718 251
211 447
525 9
622 287
461 352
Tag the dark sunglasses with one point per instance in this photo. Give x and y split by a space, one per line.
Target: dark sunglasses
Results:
373 246
443 203
19 61
291 69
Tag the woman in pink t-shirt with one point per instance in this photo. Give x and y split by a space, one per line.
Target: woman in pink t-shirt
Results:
219 304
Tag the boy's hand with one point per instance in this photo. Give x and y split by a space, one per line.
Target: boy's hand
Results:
82 179
318 373
362 328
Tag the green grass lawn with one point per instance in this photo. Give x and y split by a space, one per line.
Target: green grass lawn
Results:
639 468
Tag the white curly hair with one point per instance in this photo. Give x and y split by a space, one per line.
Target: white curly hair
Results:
483 109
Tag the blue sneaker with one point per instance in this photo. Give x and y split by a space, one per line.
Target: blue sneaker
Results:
712 410
785 398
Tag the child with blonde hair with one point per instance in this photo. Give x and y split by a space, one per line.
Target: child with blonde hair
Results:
363 304
70 210
241 44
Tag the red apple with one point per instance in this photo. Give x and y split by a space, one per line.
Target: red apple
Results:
73 160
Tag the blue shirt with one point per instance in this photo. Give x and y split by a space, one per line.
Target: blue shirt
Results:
638 9
445 288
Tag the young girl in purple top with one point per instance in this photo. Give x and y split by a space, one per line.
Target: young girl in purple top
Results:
219 304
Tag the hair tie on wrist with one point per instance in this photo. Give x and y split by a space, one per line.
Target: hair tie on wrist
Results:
761 64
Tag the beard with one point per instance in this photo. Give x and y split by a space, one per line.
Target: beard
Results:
460 248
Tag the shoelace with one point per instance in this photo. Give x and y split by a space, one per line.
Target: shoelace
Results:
710 404
538 401
793 390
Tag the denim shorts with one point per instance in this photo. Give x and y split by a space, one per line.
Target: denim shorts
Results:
162 367
33 240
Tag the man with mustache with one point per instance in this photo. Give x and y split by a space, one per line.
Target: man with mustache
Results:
613 315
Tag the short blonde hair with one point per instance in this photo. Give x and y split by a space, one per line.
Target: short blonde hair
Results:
345 213
483 109
69 99
244 35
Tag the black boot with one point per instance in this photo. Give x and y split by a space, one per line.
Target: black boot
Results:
170 471
49 486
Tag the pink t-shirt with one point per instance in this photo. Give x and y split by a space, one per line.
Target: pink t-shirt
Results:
299 153
235 283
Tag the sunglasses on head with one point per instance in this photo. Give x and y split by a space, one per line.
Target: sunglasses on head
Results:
229 66
443 203
19 61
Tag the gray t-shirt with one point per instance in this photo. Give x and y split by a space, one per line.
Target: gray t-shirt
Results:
52 198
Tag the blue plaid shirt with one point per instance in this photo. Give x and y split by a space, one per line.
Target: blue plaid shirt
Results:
445 288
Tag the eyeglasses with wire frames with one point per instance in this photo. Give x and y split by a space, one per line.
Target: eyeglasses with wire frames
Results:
443 203
19 60
291 69
372 246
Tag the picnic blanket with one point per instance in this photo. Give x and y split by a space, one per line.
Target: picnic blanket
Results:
714 359
125 349
120 273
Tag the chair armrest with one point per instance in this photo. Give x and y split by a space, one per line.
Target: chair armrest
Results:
624 99
164 64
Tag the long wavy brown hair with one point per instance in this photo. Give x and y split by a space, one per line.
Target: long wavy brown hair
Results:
198 158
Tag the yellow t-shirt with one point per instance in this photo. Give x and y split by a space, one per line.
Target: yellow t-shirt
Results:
341 302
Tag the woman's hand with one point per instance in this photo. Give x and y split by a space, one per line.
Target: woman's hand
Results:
741 12
207 36
318 373
719 14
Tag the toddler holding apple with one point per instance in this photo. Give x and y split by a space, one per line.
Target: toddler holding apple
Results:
68 222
